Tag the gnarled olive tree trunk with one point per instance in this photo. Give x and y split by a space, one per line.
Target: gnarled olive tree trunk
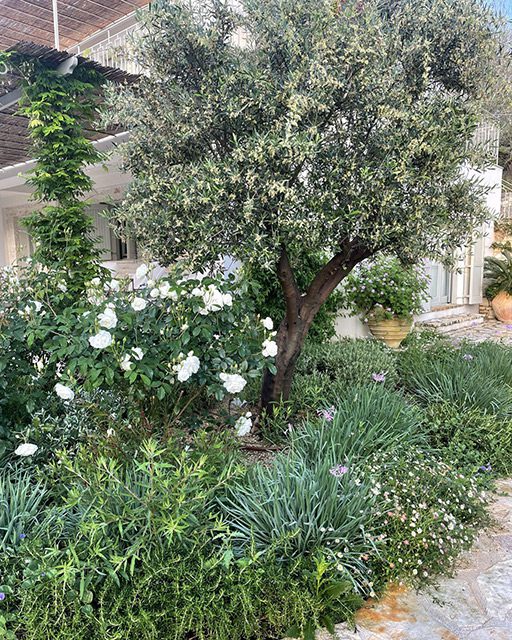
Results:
300 313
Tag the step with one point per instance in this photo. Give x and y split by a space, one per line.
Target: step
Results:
447 324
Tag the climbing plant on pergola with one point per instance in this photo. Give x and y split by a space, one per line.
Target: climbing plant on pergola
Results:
58 106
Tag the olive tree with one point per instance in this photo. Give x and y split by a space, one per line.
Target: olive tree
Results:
273 129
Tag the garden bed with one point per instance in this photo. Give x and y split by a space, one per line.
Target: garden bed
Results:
134 513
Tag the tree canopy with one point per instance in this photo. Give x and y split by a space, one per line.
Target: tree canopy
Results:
306 124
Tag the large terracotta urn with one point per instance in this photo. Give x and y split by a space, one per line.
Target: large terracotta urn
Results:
502 307
392 332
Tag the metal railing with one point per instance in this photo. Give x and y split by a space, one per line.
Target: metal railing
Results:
113 47
487 138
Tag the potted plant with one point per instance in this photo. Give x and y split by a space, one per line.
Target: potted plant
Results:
388 294
498 274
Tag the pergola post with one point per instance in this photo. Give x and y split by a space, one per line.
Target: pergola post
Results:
56 39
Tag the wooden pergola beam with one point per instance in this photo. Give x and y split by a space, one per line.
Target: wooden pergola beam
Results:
33 20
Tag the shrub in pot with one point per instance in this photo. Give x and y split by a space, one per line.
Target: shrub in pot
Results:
498 274
387 293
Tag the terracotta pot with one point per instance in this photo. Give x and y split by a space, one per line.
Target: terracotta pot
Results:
392 331
502 307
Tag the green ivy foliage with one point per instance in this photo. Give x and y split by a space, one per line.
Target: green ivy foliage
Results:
58 107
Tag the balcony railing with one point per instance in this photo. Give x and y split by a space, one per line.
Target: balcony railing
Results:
487 138
113 47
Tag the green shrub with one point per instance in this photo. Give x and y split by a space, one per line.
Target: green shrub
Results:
114 517
53 429
365 420
170 341
429 513
350 362
472 439
202 595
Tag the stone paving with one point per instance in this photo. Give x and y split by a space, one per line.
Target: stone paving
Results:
474 605
489 330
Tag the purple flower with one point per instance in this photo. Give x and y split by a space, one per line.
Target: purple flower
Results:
508 326
338 471
486 468
379 377
468 357
327 414
2 595
23 536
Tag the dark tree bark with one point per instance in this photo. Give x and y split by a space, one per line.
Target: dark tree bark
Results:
300 313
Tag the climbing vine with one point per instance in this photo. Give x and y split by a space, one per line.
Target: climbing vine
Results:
57 106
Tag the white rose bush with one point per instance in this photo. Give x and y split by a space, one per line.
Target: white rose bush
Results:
169 340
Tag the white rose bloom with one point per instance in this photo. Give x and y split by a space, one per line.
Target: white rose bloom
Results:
94 299
138 304
138 353
62 286
154 293
38 305
187 367
142 271
101 340
243 425
227 299
108 319
64 392
213 300
164 289
114 285
126 363
268 323
95 282
269 349
26 449
233 383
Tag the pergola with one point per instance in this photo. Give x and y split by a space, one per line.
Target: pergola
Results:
14 140
42 29
59 23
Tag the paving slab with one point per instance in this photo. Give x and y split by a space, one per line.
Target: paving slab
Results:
479 332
